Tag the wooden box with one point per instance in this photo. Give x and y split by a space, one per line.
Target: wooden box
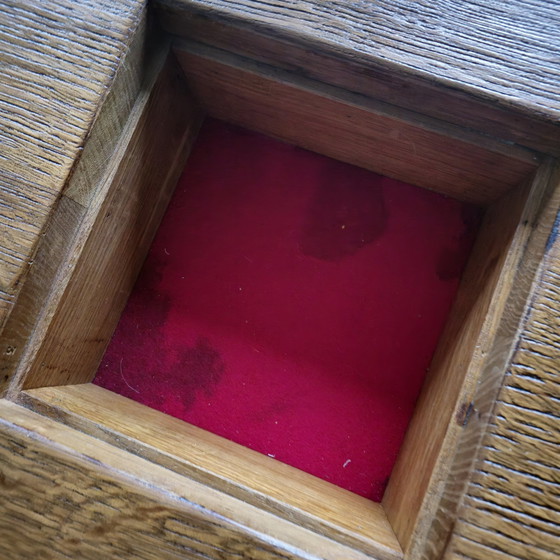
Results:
249 505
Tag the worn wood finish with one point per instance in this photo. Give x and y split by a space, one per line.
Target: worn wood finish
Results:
116 234
59 60
135 71
470 345
350 128
252 477
511 507
485 65
55 252
69 495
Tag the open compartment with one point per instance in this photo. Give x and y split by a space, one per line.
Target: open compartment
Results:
292 303
501 179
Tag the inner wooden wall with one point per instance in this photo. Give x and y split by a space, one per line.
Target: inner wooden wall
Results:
505 504
353 128
490 69
117 230
475 346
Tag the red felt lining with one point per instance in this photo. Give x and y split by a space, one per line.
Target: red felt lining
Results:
292 303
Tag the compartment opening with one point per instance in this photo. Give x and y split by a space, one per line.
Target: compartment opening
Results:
292 303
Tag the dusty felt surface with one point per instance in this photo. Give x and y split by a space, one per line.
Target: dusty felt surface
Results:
292 303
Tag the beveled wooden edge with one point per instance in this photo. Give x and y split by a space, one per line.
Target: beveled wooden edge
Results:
142 176
68 494
77 306
283 491
53 259
426 486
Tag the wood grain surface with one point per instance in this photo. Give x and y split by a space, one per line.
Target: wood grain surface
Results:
56 249
352 128
511 507
69 495
58 59
486 65
250 476
493 493
116 232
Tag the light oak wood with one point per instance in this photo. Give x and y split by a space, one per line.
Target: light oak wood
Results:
350 128
58 62
511 503
67 494
218 463
485 65
101 142
27 322
475 345
115 234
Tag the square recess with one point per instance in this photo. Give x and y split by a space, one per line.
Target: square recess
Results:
292 303
316 282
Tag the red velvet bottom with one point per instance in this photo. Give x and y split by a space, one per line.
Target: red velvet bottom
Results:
292 303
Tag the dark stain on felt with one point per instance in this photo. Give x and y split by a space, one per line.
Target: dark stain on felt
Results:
150 296
201 367
346 213
450 263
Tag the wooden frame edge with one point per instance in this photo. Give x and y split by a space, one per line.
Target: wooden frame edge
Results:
353 128
495 340
37 300
283 43
124 212
513 324
196 454
115 501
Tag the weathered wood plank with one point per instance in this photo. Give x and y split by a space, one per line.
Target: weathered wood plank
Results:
58 61
486 65
69 495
